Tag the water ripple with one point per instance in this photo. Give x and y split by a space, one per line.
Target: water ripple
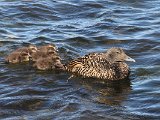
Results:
77 28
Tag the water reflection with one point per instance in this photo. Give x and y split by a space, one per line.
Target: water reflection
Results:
110 92
77 28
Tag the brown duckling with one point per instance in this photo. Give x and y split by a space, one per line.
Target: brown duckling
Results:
49 63
30 49
109 65
17 57
47 48
44 51
40 54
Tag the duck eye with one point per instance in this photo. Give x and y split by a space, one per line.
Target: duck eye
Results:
117 52
24 54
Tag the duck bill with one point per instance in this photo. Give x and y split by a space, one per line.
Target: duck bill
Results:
130 59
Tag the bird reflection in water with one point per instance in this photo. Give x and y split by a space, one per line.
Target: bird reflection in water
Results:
108 92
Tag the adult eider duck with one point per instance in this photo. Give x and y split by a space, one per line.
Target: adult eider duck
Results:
17 57
49 63
109 65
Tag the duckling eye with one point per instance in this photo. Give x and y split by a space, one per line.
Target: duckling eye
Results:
24 54
117 52
33 48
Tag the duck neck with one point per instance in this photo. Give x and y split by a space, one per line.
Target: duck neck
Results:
109 58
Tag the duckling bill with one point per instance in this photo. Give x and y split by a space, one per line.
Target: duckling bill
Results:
109 65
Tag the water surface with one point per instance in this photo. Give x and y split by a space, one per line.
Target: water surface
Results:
78 27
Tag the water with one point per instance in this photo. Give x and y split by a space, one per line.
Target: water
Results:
78 27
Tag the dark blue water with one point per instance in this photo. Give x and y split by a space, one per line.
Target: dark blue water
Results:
78 27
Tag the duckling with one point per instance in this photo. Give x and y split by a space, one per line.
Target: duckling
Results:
30 49
43 52
17 57
47 48
109 65
40 54
49 63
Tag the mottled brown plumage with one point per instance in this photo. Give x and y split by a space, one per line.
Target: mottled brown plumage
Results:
109 65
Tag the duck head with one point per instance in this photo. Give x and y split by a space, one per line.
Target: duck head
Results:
57 63
32 48
118 55
52 48
24 56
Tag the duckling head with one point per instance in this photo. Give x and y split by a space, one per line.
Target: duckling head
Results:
57 63
51 52
118 55
52 48
32 48
24 56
